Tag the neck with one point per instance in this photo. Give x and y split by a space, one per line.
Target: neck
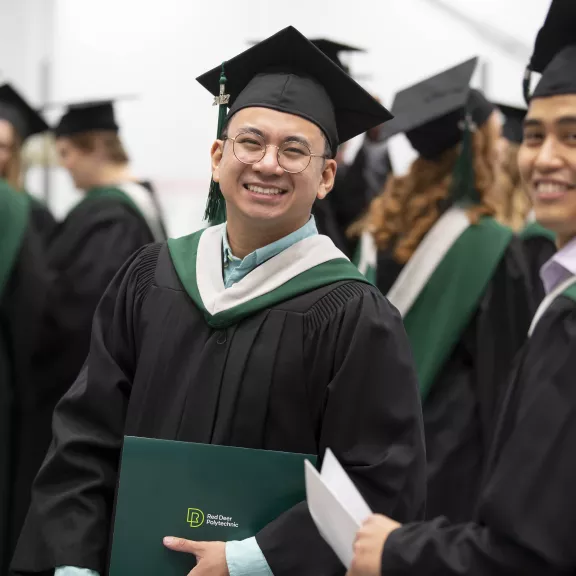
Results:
112 174
245 237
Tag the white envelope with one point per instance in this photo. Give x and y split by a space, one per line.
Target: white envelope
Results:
336 506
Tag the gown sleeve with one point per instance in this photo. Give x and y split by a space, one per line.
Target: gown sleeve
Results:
69 526
525 521
370 418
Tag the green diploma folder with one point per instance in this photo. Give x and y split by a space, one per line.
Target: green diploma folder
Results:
196 491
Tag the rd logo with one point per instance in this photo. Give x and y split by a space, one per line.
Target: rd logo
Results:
195 517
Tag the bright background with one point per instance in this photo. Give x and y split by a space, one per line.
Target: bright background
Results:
68 50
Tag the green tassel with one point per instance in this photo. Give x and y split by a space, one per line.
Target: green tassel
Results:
215 212
463 190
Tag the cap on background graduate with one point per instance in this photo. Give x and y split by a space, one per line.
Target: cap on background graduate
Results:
286 72
439 113
18 121
554 53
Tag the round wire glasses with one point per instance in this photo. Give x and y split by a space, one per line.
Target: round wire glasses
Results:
293 156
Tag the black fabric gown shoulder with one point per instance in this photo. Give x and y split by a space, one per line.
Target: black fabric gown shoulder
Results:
460 408
329 368
23 397
87 250
538 249
526 519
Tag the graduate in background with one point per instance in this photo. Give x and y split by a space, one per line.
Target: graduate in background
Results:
23 286
257 333
526 519
356 182
115 218
19 121
458 278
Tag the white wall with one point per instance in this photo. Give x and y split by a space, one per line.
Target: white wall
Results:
157 48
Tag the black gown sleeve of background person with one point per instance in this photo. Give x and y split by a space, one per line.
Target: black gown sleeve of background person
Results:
88 249
23 397
370 417
538 250
527 518
88 428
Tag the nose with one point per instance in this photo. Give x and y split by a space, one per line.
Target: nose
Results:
549 156
269 163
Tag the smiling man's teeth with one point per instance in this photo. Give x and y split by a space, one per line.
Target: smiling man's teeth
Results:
267 191
551 188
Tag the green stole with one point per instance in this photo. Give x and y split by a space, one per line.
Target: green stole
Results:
114 193
14 216
534 229
184 254
444 307
570 292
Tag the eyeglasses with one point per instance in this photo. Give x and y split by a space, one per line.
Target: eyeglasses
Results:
293 157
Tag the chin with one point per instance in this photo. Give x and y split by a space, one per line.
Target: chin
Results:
557 218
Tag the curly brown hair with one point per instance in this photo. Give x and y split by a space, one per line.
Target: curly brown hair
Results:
514 203
409 205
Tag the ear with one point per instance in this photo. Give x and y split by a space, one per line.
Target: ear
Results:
216 157
327 178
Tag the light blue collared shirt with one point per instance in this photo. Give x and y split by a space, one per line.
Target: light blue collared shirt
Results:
560 267
234 269
244 557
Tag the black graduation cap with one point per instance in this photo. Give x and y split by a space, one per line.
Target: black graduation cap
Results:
15 109
513 129
554 53
87 117
332 50
431 113
286 72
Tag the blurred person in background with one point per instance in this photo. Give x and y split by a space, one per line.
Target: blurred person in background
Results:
18 121
25 401
458 277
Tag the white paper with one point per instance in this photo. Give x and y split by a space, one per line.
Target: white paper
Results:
336 506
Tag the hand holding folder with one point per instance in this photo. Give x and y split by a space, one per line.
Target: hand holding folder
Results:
336 506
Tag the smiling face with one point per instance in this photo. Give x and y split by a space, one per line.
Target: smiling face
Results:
547 163
263 195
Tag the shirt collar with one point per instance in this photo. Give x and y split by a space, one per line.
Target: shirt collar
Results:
260 255
560 267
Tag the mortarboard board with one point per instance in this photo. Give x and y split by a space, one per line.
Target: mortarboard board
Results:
332 50
430 113
554 53
513 128
286 72
19 113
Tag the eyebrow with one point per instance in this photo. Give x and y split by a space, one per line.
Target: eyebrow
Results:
563 120
253 130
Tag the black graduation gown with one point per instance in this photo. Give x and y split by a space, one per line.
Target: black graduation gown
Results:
25 405
87 250
42 219
539 249
526 519
328 368
460 408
